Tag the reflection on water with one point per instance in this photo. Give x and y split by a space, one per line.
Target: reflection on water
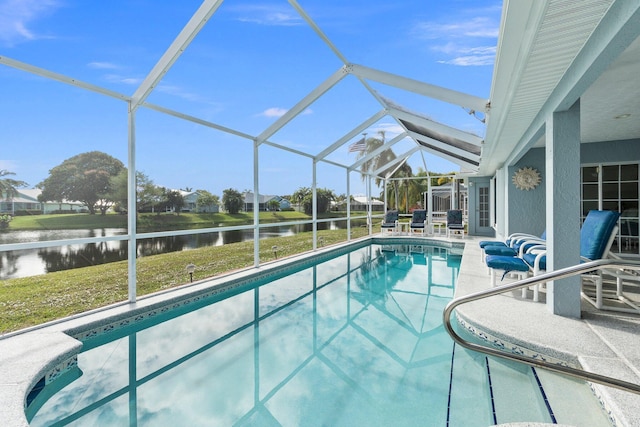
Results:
318 347
30 262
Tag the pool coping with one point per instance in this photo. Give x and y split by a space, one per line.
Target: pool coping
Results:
595 342
45 353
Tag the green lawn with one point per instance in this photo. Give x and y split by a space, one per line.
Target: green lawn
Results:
148 222
33 300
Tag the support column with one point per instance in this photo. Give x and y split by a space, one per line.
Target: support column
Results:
256 205
562 156
132 207
348 205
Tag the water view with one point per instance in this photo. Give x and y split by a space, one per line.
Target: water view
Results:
30 262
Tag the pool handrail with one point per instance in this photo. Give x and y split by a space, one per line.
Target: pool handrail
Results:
542 278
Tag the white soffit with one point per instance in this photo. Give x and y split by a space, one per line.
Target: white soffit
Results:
538 42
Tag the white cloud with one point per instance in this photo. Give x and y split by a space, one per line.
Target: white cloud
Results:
103 65
274 112
17 19
279 112
116 78
464 40
180 92
267 15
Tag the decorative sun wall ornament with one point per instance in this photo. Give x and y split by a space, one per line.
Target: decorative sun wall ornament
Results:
526 179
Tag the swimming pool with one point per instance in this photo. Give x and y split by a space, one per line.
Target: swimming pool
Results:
354 340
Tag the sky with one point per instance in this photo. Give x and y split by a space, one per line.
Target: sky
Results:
251 63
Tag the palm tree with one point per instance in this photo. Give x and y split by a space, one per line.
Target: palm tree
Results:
375 163
9 187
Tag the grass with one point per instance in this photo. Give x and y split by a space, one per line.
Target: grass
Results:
148 222
34 300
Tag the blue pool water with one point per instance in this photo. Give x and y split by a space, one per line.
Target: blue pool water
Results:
353 341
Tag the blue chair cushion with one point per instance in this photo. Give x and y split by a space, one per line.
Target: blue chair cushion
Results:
595 233
500 250
531 259
485 243
506 263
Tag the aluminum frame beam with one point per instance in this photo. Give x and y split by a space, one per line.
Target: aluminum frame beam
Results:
303 104
432 91
377 151
437 127
358 129
177 47
61 78
394 162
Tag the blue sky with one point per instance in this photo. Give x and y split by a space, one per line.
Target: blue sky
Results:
252 62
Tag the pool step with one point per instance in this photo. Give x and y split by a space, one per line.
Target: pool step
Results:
470 395
523 393
517 394
580 409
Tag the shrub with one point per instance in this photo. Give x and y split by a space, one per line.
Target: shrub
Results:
5 220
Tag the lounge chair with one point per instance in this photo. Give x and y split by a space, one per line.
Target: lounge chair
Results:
419 223
515 245
596 237
390 223
618 299
455 224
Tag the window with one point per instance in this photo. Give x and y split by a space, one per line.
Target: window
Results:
614 187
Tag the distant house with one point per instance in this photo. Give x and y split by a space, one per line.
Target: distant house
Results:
264 202
191 203
27 201
359 203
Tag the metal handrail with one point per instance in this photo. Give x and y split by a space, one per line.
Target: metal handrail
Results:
557 274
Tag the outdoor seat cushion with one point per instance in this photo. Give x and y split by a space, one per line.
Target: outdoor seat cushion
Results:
500 250
485 243
417 225
531 259
506 263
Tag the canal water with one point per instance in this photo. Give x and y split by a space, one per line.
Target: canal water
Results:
30 262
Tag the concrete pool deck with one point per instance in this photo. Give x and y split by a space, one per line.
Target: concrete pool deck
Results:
600 342
603 342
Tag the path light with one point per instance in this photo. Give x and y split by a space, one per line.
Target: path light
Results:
274 248
321 241
190 269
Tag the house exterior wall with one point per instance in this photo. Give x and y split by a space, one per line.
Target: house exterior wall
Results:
526 209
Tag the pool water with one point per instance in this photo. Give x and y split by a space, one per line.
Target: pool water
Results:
353 341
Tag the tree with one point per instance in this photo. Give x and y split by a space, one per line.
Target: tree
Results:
149 195
205 200
232 200
375 163
9 187
273 205
175 200
119 190
304 196
85 178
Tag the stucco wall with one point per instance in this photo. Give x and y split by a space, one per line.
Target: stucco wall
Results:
527 207
611 151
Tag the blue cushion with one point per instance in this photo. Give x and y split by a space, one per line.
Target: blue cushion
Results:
419 216
531 259
485 243
390 217
595 233
500 250
506 263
